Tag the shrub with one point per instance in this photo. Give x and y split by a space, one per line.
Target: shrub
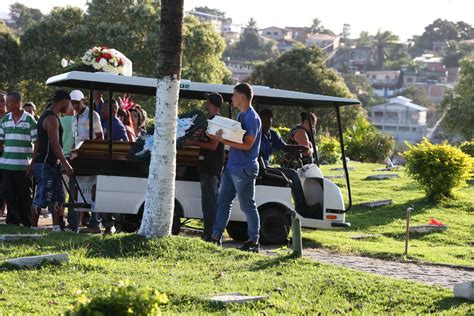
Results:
329 150
367 144
468 147
123 299
438 168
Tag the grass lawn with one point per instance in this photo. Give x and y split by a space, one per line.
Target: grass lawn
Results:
453 246
188 269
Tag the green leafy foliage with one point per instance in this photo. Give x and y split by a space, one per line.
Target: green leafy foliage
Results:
11 65
278 156
203 50
467 147
251 46
329 150
460 112
367 144
304 69
439 169
443 31
67 32
123 299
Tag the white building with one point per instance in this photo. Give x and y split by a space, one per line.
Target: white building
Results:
215 20
276 33
405 120
327 42
240 69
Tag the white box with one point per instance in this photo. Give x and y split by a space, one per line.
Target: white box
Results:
232 129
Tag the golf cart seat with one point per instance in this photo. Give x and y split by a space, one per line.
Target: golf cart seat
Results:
270 176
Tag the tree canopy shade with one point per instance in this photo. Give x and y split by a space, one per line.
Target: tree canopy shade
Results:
459 117
11 63
443 31
303 69
23 16
67 32
203 50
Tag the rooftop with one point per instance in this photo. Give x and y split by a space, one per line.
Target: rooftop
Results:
405 102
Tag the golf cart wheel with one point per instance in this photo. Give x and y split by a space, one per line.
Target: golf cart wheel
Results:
274 226
237 230
177 215
129 223
176 228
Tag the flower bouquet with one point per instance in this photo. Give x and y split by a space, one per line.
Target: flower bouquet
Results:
101 58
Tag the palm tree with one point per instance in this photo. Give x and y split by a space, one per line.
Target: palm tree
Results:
381 41
159 197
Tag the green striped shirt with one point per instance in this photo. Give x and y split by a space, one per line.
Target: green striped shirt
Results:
18 141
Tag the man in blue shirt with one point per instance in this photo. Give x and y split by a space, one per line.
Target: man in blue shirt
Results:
241 171
118 129
272 141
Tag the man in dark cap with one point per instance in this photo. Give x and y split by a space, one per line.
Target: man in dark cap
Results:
47 160
211 161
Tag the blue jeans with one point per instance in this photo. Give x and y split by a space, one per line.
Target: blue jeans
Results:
240 183
49 186
209 194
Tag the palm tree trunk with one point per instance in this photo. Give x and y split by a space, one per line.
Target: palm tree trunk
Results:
159 197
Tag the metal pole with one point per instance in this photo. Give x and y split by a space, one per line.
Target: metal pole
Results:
110 130
344 162
297 240
91 113
407 232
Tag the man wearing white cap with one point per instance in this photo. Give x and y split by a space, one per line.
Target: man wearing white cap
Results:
80 129
80 124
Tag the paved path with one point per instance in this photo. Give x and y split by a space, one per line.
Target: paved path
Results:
425 273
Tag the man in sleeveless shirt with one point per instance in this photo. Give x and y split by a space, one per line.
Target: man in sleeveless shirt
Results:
47 160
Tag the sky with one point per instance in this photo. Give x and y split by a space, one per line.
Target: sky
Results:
403 17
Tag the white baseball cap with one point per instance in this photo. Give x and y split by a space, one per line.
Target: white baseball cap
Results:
76 95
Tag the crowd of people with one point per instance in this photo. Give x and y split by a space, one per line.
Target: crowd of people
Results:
35 152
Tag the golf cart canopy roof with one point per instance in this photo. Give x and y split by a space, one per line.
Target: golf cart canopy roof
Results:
191 90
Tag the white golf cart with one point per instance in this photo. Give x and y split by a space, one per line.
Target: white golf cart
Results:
110 180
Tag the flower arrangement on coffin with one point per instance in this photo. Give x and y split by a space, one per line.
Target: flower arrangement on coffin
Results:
101 58
190 125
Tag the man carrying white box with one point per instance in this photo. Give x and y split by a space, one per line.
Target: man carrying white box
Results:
241 171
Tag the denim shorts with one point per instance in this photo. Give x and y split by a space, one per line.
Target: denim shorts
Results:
49 186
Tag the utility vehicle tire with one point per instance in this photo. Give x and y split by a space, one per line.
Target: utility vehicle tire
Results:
237 230
274 226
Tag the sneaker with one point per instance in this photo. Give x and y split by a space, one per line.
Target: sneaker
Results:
109 230
216 242
250 246
68 229
90 230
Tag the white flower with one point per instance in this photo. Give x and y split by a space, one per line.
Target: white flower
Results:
64 63
96 66
103 62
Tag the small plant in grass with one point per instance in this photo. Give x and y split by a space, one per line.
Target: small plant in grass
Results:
329 149
123 299
438 168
